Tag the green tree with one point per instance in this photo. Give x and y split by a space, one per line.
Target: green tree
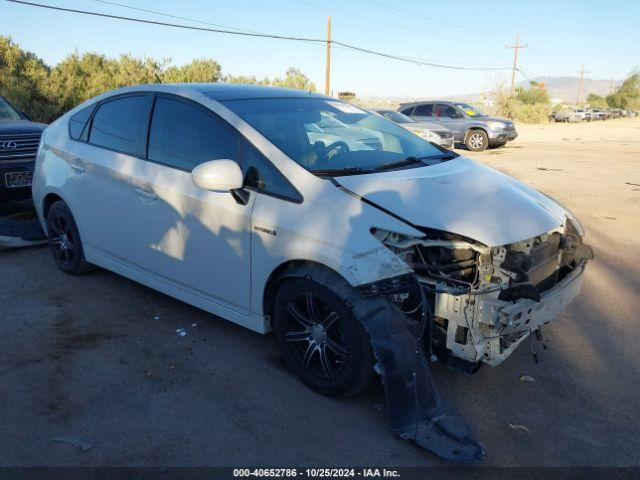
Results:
200 70
627 96
596 100
24 81
535 94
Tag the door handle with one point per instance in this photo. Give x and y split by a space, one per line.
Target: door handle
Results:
148 194
77 168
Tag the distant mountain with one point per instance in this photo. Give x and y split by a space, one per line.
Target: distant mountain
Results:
560 88
566 88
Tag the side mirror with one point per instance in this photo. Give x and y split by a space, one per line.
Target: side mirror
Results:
218 175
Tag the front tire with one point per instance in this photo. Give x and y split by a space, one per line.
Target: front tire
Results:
477 141
64 240
321 339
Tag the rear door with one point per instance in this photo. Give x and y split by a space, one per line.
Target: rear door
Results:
423 112
104 173
451 118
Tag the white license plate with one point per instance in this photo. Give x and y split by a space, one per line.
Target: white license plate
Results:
18 179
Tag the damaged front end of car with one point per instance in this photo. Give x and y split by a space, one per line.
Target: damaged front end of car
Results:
465 304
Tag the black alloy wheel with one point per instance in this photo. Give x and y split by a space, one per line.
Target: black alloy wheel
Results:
321 339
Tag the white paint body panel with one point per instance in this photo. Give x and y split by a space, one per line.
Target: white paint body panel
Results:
150 223
463 197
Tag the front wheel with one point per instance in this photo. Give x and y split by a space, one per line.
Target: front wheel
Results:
477 140
64 240
321 339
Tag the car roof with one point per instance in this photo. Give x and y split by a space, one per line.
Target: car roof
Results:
227 91
419 102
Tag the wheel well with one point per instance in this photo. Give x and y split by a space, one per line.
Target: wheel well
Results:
280 274
471 129
49 200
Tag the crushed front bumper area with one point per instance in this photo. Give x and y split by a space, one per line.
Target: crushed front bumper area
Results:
489 330
416 410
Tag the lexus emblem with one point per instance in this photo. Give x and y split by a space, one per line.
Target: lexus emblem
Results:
8 145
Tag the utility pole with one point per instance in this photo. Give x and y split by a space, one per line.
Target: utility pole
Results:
580 84
327 74
515 47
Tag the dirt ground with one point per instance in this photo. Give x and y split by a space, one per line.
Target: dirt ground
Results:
99 355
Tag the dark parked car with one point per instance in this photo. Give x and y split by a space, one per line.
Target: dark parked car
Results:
19 138
470 126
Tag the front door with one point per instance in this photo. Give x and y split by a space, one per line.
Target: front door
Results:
451 118
196 239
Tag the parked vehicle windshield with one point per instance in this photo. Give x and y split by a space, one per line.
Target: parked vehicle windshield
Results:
335 138
469 110
395 116
7 112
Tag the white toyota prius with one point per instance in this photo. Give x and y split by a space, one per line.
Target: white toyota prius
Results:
365 248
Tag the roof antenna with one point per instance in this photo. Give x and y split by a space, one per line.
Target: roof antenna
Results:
158 78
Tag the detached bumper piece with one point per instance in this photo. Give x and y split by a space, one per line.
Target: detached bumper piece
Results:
416 410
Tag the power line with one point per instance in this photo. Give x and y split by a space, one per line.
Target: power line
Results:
431 19
343 12
173 16
258 35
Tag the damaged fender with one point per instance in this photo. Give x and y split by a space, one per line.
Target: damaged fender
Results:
415 409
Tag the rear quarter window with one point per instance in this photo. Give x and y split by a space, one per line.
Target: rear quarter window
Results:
78 122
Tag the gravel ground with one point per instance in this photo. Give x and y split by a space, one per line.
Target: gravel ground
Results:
99 355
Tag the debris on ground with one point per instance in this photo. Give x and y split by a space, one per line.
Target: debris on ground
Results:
194 324
526 378
547 169
83 443
633 184
157 317
611 218
515 426
181 332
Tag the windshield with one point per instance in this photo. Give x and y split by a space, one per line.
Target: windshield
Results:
7 112
469 110
396 116
335 138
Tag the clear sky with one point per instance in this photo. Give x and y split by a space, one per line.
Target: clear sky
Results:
561 35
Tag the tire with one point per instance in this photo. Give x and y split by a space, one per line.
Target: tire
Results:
476 141
64 240
321 339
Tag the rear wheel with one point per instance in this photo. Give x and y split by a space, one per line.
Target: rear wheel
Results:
477 140
321 339
64 240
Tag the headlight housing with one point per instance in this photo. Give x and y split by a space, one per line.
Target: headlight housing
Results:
428 135
493 125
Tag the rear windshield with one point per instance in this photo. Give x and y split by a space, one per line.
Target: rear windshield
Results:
325 135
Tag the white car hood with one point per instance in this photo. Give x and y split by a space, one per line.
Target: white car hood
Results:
463 197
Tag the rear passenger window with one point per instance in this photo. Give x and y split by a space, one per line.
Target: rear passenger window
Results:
425 110
78 122
120 125
184 136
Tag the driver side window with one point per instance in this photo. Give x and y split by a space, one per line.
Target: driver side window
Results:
447 111
183 136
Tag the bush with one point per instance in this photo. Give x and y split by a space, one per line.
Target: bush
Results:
45 93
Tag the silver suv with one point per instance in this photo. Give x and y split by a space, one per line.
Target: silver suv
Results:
470 126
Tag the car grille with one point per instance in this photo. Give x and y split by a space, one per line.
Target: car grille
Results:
19 147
